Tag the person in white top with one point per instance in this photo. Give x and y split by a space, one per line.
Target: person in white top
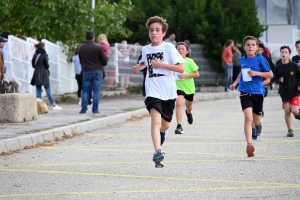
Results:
161 59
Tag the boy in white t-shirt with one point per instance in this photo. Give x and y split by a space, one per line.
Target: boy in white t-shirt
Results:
161 59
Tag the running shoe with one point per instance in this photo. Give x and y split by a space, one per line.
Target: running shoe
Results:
258 129
250 150
290 133
158 157
189 117
254 134
179 130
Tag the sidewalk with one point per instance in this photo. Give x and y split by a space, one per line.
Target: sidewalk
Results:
56 123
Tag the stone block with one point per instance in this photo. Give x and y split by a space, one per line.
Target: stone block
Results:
25 141
37 138
12 144
2 147
18 107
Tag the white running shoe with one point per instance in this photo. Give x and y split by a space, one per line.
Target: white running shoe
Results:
56 107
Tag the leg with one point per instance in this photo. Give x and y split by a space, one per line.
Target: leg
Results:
230 71
155 128
79 83
248 124
225 68
86 88
50 96
38 91
97 81
189 106
287 115
111 76
179 102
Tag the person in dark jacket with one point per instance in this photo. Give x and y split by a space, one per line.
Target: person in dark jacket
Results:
93 60
41 75
287 74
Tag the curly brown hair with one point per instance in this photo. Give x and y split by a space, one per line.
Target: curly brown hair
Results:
158 19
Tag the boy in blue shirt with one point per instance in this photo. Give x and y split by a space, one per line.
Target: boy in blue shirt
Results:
254 68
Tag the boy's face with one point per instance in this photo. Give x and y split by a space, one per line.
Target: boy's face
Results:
260 50
156 34
182 50
298 48
250 48
284 54
2 44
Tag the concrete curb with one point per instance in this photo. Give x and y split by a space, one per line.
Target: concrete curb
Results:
18 143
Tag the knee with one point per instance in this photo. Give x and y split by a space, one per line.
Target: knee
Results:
165 126
248 120
178 104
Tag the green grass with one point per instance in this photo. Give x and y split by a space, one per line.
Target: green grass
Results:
83 120
130 109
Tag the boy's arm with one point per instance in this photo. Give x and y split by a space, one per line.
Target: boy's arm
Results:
178 67
237 80
268 74
196 74
138 67
266 81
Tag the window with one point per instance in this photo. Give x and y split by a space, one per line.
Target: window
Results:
261 11
280 12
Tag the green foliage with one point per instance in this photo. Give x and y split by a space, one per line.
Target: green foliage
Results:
209 22
136 89
64 20
227 19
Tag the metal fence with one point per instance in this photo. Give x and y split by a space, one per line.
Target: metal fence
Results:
19 54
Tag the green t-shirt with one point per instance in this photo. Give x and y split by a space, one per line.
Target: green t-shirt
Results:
187 85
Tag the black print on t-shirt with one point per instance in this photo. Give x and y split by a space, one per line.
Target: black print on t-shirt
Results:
150 57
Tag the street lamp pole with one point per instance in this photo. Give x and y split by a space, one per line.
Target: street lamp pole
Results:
93 7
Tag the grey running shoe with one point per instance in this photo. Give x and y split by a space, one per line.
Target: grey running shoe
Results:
158 157
290 133
258 129
179 130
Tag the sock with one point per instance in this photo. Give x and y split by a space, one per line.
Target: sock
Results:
178 125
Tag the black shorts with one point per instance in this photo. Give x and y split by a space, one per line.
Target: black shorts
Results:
165 108
189 97
254 101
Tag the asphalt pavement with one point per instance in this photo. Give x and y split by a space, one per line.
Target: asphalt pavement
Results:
208 161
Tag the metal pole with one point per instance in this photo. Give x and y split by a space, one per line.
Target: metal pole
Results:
93 7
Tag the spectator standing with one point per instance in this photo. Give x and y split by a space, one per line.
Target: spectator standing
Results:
2 76
227 64
236 61
93 60
78 75
171 39
41 75
2 44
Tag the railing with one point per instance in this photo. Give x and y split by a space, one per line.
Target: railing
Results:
62 74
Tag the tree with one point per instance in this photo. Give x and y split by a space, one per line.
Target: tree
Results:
64 20
209 22
227 19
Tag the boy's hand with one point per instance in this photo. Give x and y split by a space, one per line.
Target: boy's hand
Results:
281 79
155 63
251 73
232 86
135 69
181 76
298 88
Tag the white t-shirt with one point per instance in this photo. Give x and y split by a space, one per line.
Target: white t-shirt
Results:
160 83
